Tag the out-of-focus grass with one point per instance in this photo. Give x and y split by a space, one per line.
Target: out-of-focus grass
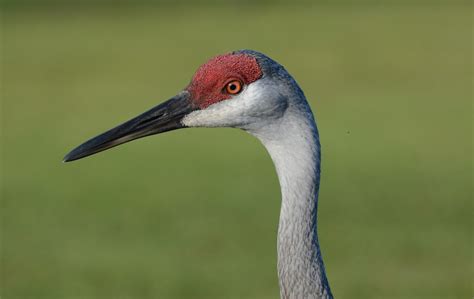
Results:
193 213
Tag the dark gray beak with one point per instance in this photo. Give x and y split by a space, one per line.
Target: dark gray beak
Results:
165 117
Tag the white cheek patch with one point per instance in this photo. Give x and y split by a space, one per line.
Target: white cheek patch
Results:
254 104
216 115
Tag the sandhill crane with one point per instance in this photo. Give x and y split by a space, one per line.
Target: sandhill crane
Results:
247 90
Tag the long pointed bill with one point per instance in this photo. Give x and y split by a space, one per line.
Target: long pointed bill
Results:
162 118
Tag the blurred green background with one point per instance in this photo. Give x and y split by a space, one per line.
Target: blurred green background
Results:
193 213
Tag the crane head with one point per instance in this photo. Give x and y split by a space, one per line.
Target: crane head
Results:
243 89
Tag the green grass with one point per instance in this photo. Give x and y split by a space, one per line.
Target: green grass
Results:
193 213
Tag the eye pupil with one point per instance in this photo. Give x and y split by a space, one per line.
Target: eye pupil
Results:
233 87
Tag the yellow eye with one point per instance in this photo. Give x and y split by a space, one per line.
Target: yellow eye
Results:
233 87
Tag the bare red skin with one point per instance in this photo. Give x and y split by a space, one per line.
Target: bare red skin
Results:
208 84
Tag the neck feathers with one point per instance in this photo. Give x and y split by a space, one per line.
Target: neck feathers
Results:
293 144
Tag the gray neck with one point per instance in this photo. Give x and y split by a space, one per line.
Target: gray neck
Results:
293 143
